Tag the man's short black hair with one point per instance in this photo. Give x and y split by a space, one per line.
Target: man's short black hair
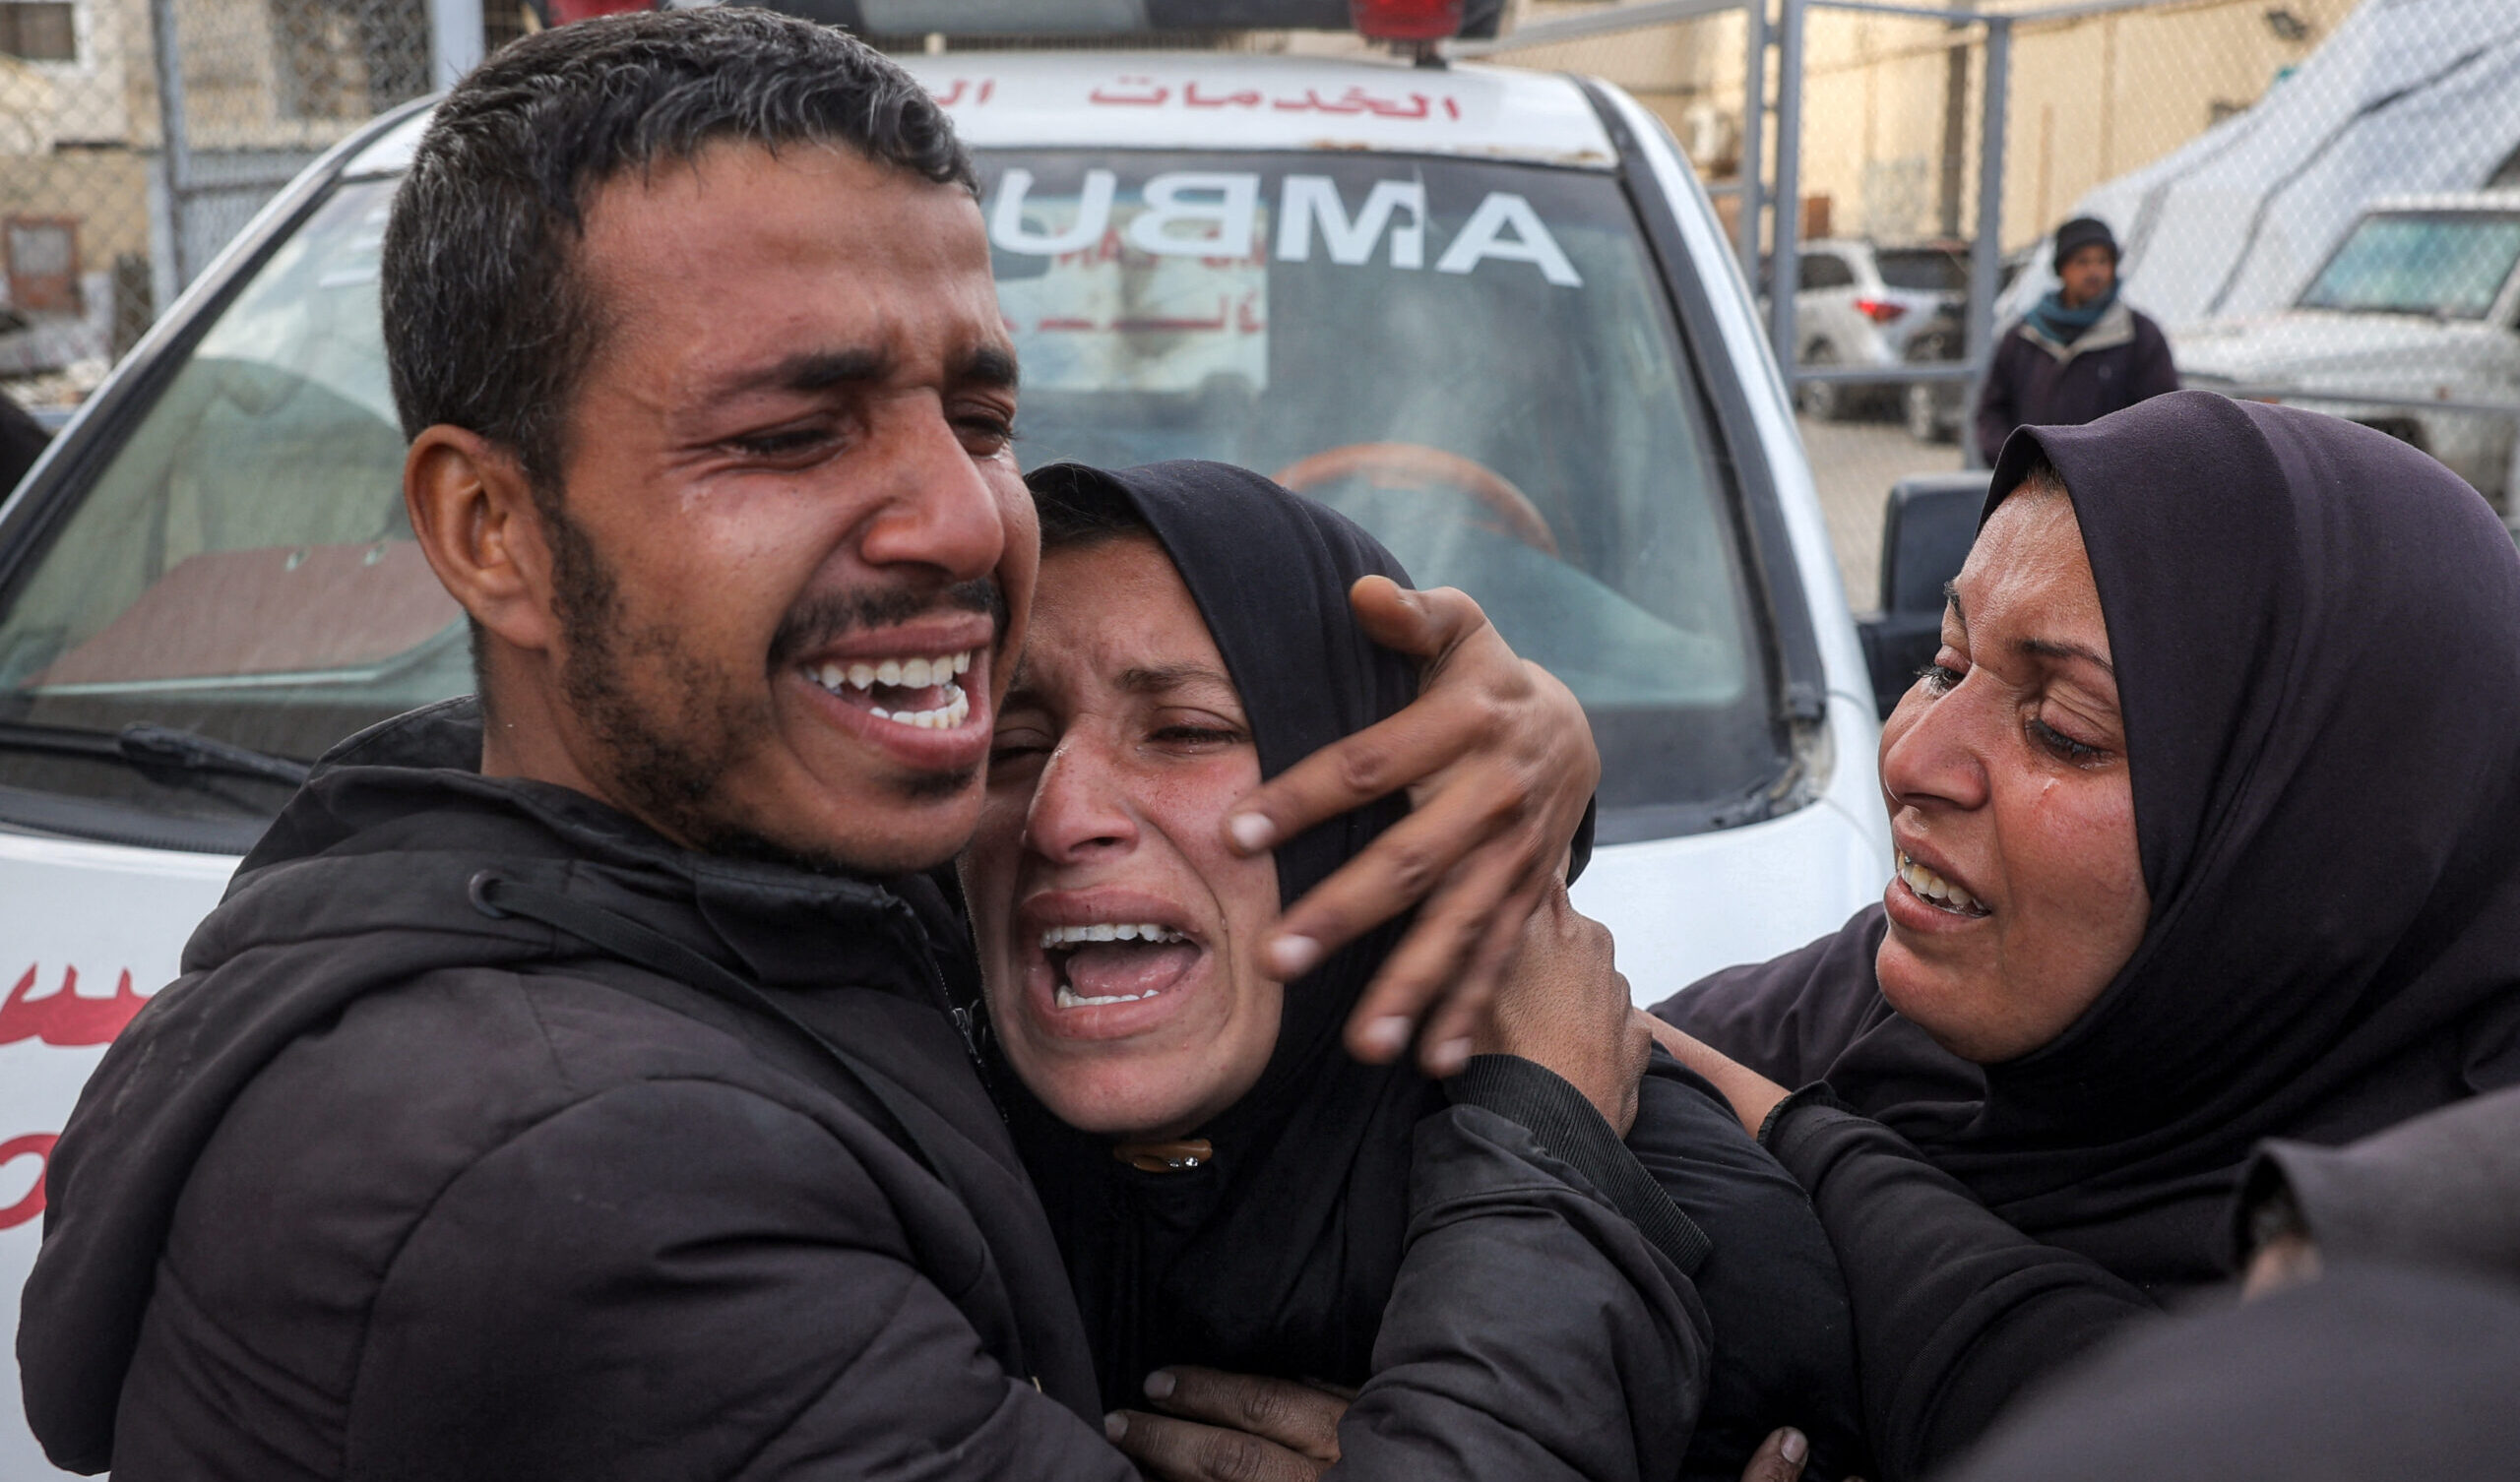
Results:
487 320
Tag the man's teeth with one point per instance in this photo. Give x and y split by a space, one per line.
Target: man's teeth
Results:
906 673
1107 931
1937 890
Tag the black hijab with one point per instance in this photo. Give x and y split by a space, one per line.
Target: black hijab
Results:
2316 634
1277 1255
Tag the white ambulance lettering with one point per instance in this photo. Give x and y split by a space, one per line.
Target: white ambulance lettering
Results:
1482 238
1093 217
1309 199
1228 201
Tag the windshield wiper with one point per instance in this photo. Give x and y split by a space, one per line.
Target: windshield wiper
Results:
153 747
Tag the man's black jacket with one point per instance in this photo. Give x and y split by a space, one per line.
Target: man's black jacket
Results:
2039 381
390 1186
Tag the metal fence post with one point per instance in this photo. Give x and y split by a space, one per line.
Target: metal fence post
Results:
455 41
1787 195
175 142
1754 128
1986 254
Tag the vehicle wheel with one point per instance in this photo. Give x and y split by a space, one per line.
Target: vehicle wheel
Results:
1827 400
1924 414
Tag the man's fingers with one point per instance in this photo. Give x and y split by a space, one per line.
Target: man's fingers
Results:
1405 865
1184 1451
1778 1459
1424 625
1297 1416
1458 1016
1350 773
1434 959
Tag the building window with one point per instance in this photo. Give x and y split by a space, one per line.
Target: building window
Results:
43 261
39 30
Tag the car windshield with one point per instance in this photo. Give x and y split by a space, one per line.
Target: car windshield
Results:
1473 359
1929 269
2452 265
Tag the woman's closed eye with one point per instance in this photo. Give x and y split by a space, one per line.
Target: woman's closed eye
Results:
1017 746
2063 747
1196 734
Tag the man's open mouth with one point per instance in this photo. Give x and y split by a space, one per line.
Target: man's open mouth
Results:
1115 962
919 692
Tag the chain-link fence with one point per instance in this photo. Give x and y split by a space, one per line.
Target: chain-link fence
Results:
136 136
2318 200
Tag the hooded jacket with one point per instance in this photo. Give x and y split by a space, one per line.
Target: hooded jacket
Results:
402 1180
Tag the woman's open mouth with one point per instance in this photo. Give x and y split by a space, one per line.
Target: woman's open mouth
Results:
1097 964
1935 891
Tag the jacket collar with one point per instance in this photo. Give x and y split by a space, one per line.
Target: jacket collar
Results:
2113 329
412 784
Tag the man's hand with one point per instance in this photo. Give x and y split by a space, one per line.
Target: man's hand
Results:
1752 1094
1778 1459
1219 1427
1564 1004
1500 766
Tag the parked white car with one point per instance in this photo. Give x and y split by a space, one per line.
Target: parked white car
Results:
1857 303
1489 312
2412 326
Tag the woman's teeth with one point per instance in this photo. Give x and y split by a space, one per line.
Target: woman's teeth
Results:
909 674
1107 931
1937 889
1068 998
1058 938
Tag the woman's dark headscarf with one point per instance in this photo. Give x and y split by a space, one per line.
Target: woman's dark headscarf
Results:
1274 1257
2317 635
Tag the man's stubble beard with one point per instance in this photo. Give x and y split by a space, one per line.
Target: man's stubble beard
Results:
668 773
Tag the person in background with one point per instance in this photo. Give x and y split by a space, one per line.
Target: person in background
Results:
2079 354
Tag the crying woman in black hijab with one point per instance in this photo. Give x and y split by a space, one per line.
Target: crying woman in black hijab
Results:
2204 815
1230 1189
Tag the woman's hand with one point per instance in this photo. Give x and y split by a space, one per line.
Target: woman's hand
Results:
1219 1427
1499 764
1752 1094
1565 1004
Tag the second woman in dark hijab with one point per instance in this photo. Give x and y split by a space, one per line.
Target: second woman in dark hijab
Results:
2306 923
1266 1237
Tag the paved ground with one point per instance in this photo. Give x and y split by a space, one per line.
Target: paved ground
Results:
1854 463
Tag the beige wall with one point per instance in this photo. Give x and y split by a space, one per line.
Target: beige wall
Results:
2090 100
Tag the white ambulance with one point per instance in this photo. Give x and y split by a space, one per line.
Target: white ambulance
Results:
1488 312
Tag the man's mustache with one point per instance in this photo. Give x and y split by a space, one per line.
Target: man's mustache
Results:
825 618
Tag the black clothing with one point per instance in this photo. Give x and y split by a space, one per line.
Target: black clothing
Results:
391 1185
21 441
2370 1374
2316 635
2038 381
1955 1311
1784 1338
1278 1255
2442 1189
